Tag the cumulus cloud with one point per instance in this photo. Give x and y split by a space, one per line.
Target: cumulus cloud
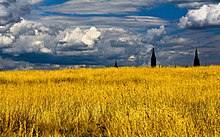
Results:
90 36
155 33
73 36
40 47
32 37
26 27
6 40
87 37
205 16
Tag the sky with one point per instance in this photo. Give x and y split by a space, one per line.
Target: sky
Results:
53 34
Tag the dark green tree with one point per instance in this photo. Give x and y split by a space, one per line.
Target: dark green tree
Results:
196 59
153 59
116 64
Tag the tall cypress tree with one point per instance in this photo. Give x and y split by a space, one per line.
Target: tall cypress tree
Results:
116 64
196 59
153 59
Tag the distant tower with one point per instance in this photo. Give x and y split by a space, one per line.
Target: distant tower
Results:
196 59
153 59
116 64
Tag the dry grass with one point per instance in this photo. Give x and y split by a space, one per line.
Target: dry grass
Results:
111 102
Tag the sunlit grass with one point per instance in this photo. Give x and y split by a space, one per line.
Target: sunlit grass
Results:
111 102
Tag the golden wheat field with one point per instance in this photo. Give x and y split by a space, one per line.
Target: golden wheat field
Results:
125 102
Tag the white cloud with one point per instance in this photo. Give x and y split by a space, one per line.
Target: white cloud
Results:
38 43
132 58
45 50
22 27
155 33
91 36
32 37
87 37
26 27
40 46
73 36
6 40
192 4
205 16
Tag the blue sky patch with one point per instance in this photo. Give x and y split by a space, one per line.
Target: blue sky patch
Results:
164 11
53 2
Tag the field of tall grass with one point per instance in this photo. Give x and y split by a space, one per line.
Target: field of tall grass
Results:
111 102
